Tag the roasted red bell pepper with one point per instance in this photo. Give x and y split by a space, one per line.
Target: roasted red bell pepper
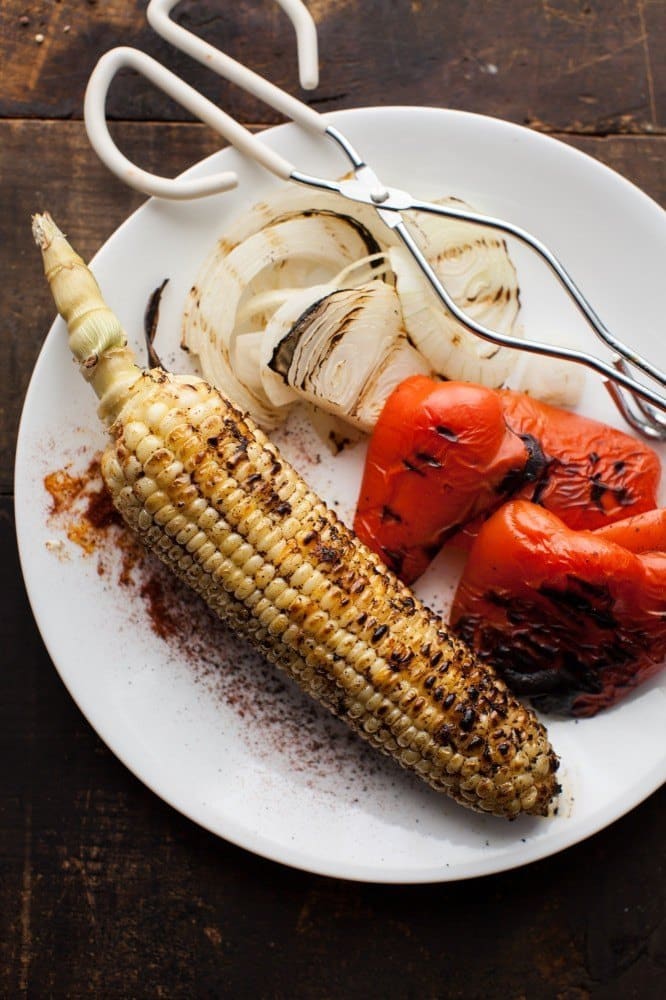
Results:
440 454
593 474
573 619
444 455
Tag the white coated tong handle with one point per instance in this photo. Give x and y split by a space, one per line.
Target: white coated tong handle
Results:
158 12
642 407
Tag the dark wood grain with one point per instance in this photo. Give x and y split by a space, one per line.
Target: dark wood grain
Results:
104 890
565 65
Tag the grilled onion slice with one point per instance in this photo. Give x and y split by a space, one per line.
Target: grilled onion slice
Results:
299 250
346 352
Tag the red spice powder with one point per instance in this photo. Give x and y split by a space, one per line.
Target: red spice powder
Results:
282 722
100 512
82 503
162 611
63 488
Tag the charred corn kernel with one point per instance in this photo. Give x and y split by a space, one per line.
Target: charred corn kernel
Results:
205 490
528 800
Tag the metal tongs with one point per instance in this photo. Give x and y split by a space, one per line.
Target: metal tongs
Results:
643 407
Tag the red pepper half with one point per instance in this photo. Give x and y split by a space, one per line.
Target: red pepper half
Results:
440 454
573 619
593 473
444 455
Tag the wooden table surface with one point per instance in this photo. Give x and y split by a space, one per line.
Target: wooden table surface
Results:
105 890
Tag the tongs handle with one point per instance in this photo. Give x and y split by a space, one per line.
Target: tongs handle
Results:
189 98
158 12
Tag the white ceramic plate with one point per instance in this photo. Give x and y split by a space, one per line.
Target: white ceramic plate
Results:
204 724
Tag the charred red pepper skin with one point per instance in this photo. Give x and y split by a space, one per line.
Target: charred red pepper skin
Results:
594 474
445 455
441 454
573 619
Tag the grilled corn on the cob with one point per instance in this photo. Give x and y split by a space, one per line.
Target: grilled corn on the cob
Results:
205 490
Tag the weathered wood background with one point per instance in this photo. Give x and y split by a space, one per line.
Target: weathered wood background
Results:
104 890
